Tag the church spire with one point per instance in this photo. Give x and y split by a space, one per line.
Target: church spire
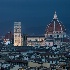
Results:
55 15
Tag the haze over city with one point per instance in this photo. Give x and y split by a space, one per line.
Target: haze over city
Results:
33 14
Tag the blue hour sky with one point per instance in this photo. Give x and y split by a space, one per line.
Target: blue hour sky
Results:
33 14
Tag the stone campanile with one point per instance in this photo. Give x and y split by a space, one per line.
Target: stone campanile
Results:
17 34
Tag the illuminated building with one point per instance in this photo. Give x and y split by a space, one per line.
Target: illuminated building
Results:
35 40
17 34
8 39
55 32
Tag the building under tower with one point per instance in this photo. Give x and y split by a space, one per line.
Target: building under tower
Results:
17 34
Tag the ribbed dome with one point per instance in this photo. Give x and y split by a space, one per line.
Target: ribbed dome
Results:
55 25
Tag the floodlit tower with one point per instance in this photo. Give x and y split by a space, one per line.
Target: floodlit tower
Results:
17 33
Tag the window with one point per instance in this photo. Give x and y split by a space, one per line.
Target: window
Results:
52 61
36 40
29 40
15 30
49 44
60 32
50 35
51 55
57 36
15 35
41 39
56 32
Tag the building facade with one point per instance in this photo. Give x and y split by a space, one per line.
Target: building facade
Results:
35 40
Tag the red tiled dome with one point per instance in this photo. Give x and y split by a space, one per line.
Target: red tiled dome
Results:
55 25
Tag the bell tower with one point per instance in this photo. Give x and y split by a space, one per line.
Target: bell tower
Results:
17 34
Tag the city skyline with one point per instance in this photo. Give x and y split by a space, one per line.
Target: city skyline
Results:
34 35
34 15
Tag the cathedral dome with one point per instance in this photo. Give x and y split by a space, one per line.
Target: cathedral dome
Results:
55 25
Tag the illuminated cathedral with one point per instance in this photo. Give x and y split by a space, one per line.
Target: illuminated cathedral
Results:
55 34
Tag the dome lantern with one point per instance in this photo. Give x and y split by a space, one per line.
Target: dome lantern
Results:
55 15
55 26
